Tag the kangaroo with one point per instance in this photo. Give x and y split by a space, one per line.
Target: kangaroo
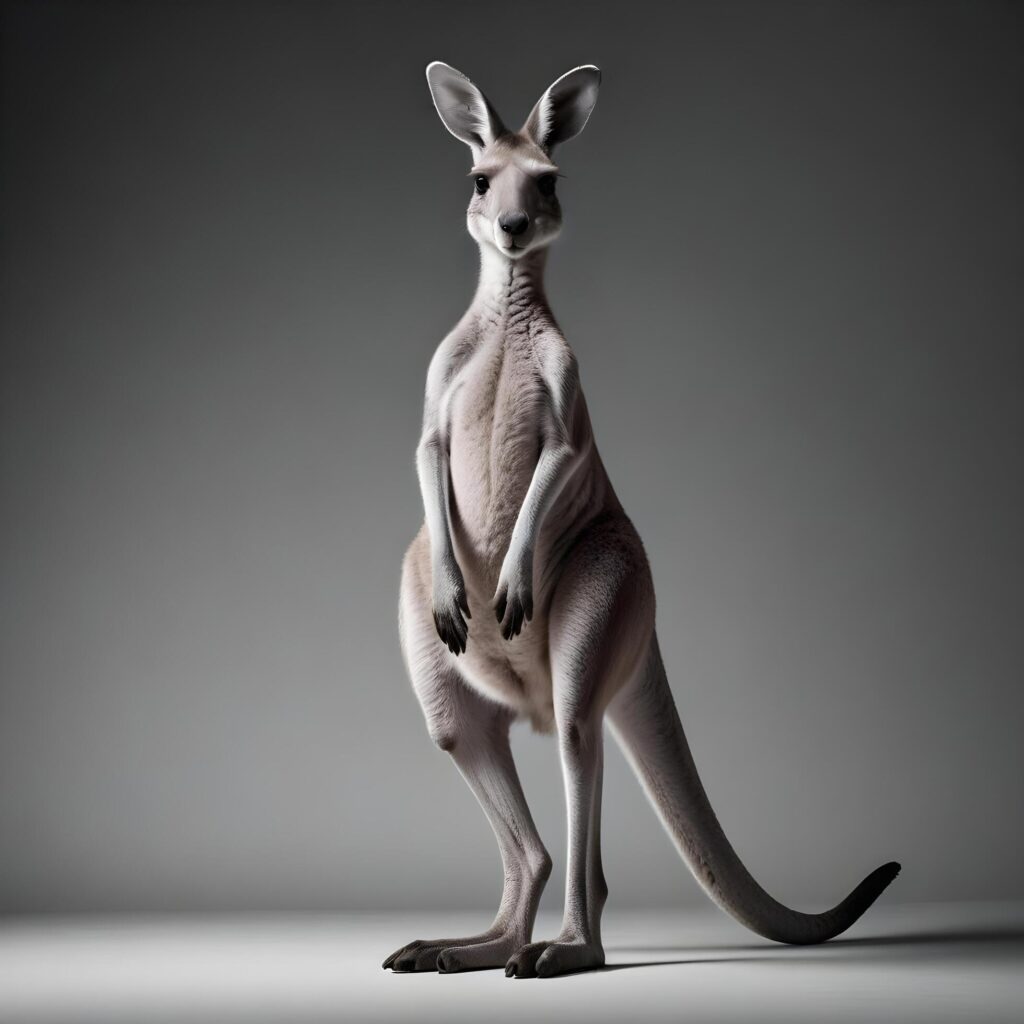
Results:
527 594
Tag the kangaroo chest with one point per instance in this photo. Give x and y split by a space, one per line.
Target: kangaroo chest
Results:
495 436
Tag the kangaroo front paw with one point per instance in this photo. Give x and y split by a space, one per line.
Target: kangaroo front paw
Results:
513 600
546 959
451 607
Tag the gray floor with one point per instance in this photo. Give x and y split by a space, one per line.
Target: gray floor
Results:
928 962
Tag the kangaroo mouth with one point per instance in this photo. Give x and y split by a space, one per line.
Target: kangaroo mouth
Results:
511 245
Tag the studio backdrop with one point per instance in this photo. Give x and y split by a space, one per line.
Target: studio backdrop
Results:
232 236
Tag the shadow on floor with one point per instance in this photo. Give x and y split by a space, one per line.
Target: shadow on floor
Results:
919 944
964 936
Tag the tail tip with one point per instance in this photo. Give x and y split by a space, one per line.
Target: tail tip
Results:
887 872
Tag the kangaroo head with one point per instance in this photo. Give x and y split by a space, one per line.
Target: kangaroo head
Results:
513 206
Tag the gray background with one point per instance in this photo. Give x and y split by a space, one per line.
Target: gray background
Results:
232 236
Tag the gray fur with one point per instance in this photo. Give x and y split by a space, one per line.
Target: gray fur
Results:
537 584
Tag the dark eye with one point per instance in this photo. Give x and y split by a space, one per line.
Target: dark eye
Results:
481 184
546 184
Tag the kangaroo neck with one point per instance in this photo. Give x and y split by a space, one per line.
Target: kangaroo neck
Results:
510 289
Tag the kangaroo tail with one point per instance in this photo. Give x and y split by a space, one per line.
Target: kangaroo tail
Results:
646 724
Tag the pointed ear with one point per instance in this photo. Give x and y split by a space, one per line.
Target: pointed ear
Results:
462 107
564 108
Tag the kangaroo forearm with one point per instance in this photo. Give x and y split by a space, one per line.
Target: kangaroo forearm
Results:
554 467
433 472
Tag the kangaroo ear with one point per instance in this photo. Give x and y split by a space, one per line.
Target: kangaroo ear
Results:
564 108
462 107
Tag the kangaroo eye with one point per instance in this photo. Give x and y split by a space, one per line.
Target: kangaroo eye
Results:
546 184
481 184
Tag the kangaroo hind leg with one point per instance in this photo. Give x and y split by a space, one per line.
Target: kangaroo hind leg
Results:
600 626
475 733
476 738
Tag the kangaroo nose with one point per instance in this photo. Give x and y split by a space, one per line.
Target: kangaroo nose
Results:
513 223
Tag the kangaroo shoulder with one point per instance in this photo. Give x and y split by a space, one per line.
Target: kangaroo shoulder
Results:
449 358
558 371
